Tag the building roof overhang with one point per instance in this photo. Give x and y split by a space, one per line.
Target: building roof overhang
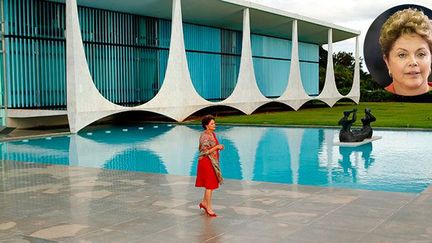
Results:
228 14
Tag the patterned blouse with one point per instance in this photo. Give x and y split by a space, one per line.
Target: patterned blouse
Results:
207 141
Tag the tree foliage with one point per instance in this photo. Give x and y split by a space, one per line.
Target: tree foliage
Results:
344 64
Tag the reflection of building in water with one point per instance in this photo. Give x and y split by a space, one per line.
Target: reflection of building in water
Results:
46 151
294 137
230 160
310 170
245 141
285 155
115 150
325 155
273 152
177 148
277 154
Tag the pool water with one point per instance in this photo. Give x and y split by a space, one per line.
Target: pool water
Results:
398 162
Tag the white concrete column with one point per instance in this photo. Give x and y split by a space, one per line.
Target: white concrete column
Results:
294 95
330 95
84 102
246 96
177 98
354 94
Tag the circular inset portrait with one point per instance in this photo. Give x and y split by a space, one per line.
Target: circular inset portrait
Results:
398 50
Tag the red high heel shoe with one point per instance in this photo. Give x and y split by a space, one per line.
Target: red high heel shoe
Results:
201 206
211 214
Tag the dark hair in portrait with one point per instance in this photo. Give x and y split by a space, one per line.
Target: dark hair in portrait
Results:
402 19
206 120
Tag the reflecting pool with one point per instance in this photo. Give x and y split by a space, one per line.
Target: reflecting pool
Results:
306 156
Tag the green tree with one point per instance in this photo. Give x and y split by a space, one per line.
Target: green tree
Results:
344 64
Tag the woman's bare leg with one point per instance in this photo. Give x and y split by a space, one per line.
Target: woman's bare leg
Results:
208 200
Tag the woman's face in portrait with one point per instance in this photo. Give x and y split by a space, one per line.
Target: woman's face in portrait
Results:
212 125
409 63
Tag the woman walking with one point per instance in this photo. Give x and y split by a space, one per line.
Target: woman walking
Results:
209 174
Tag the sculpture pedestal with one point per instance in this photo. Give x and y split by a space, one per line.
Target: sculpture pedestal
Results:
356 144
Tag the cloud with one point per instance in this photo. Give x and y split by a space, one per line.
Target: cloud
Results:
352 14
338 10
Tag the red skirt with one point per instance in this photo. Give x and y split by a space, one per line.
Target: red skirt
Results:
206 176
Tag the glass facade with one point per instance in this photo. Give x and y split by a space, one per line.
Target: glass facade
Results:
34 46
2 74
127 56
213 57
272 60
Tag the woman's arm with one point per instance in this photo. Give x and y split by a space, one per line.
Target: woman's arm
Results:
208 144
217 147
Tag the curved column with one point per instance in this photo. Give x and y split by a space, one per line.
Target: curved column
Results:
177 97
294 95
246 95
84 102
330 94
354 94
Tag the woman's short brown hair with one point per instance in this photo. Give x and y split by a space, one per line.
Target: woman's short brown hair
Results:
407 21
206 120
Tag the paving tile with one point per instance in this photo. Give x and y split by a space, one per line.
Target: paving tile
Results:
229 200
150 224
267 203
9 235
28 225
424 198
324 207
62 231
231 230
365 211
198 230
405 230
292 217
414 213
319 234
235 212
394 202
330 198
106 236
373 238
121 206
347 222
428 190
26 239
290 187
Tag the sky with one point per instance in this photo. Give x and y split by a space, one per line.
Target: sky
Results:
352 14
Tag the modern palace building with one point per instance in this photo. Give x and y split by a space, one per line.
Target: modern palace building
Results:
78 61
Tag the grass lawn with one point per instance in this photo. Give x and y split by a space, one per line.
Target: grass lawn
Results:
388 114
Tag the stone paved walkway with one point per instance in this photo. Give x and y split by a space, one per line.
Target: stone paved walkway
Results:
50 203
